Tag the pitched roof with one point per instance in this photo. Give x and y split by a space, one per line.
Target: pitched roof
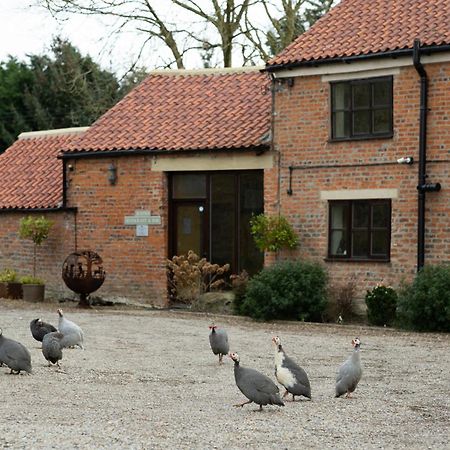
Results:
361 27
30 173
183 110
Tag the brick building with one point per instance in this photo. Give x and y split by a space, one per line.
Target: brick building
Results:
31 183
362 127
336 134
177 165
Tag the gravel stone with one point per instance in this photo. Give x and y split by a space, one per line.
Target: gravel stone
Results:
148 380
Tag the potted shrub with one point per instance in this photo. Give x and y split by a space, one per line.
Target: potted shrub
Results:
10 287
33 289
272 233
37 230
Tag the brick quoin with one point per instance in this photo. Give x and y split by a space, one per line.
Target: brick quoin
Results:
301 137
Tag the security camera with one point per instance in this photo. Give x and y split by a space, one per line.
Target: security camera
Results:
405 160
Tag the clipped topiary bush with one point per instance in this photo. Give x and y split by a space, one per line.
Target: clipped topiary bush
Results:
294 290
424 305
272 233
381 304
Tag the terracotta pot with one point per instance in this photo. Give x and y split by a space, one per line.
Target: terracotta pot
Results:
33 292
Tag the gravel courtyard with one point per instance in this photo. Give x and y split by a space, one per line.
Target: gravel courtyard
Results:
148 379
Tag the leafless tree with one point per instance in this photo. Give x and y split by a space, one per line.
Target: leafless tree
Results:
204 25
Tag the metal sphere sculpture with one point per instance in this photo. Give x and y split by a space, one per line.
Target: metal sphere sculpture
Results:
83 273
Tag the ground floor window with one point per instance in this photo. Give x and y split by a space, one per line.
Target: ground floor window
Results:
210 214
359 229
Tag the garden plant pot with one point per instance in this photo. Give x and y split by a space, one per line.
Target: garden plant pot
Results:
14 290
33 292
3 289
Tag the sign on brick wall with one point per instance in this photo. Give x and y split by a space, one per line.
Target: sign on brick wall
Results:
142 219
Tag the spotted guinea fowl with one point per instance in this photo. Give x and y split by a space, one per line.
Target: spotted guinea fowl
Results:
14 354
289 373
218 340
73 334
350 372
39 329
51 347
257 387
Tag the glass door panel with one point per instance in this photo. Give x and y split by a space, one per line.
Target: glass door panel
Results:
189 224
223 219
251 200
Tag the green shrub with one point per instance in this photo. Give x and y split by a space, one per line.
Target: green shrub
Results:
294 290
424 305
28 279
36 229
8 276
381 304
272 233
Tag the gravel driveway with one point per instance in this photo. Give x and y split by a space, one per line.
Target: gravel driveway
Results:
149 380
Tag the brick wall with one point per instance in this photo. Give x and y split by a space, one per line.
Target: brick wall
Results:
302 123
135 266
17 254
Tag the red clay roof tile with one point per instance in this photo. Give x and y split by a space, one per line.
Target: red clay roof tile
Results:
358 27
31 174
185 111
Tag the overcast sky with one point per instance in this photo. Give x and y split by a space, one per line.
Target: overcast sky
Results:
27 29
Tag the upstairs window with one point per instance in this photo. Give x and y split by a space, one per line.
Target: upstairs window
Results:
361 108
359 229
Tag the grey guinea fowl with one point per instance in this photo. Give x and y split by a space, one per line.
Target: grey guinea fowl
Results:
51 347
289 373
218 339
350 372
73 334
257 387
39 329
14 354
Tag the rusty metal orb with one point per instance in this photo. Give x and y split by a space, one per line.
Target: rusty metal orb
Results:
83 272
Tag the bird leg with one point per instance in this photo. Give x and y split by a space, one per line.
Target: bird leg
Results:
240 405
349 395
220 358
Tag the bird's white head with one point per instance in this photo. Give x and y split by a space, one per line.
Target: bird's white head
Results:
234 356
277 342
60 312
356 342
213 327
39 321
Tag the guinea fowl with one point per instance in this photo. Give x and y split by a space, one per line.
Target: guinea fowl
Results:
39 329
350 372
14 354
257 387
289 373
51 347
218 339
73 334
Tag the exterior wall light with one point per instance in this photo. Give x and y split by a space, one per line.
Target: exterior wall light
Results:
405 160
112 174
